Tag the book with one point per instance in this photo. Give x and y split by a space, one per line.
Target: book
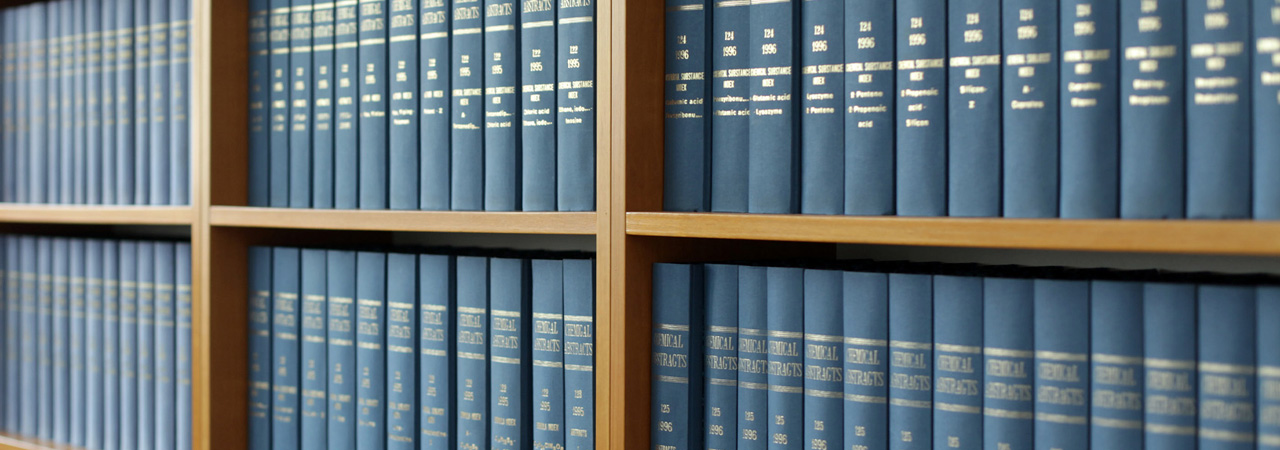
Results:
1090 99
973 108
158 98
1169 345
547 353
784 305
466 137
1008 362
323 31
957 370
1266 109
720 382
1219 115
773 143
60 339
1061 322
146 345
579 354
301 89
869 108
63 166
111 375
259 102
183 431
128 348
911 360
179 103
823 362
79 116
434 67
8 105
373 104
677 357
1030 80
865 321
1115 324
402 49
92 164
346 128
29 386
94 337
280 72
13 333
730 109
501 76
51 70
340 293
75 341
106 97
436 275
371 356
1153 99
753 358
822 107
260 362
686 184
510 376
45 335
472 383
538 105
402 355
142 101
1268 366
126 60
312 421
576 106
166 354
921 128
1228 365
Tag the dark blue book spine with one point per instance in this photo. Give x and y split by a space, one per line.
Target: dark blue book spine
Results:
93 176
1266 109
434 74
1169 347
166 355
1152 101
111 401
125 63
323 30
501 105
784 303
340 293
278 110
472 382
371 358
922 108
142 101
146 346
260 362
721 380
313 424
753 359
686 180
1218 110
677 374
579 354
1268 393
259 103
576 106
869 108
1061 321
346 131
510 375
436 363
1008 362
158 98
402 351
373 104
94 413
106 95
129 348
1116 345
60 341
301 89
76 343
179 102
911 361
973 107
1030 95
1090 101
467 135
548 354
1228 357
866 360
957 370
403 51
823 361
730 109
183 430
773 143
80 114
29 386
538 105
822 107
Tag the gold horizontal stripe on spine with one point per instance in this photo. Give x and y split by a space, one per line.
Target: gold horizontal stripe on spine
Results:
1105 358
965 409
281 10
470 355
929 63
342 45
1028 58
865 399
753 386
822 68
693 7
926 346
367 302
1062 418
866 342
751 331
280 51
302 8
575 318
1225 435
400 349
685 76
344 3
471 310
1116 423
301 49
313 339
1062 356
342 342
786 389
552 364
722 382
434 35
343 300
669 327
1232 369
504 313
434 352
573 20
1268 371
326 5
923 404
435 308
579 367
540 24
1007 352
732 3
720 329
400 305
786 334
1170 429
475 30
823 338
823 394
403 37
952 348
671 379
369 345
1269 440
313 298
547 316
373 41
493 28
505 360
261 52
1007 414
1171 364
284 295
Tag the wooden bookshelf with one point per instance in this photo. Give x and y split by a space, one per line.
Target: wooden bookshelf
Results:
14 442
98 215
583 223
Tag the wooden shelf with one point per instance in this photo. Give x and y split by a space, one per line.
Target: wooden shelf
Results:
15 442
576 223
97 215
1147 236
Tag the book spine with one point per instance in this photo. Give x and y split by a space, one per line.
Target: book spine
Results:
579 354
1266 109
340 293
869 107
576 106
1116 345
973 108
76 343
106 95
501 104
80 115
8 124
158 98
433 75
94 416
1169 349
910 365
179 102
1218 110
677 357
720 382
957 342
93 176
51 70
730 109
1227 366
15 173
1267 396
36 139
260 362
548 354
822 107
63 173
60 340
467 134
373 104
823 365
125 63
346 132
784 304
183 430
1030 80
773 144
1153 99
865 321
1007 361
323 29
1090 138
510 375
166 355
403 51
402 359
685 181
301 88
921 127
13 332
146 349
259 102
538 105
436 362
753 359
279 70
1061 323
129 345
315 364
29 385
111 401
142 101
371 358
472 384
45 335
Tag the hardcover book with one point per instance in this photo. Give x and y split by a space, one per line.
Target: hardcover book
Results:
1169 349
158 95
1061 323
1228 366
730 109
323 86
260 363
437 366
866 359
1152 100
402 178
677 357
773 143
720 383
576 106
922 108
579 354
869 107
822 58
286 364
1030 95
1116 405
301 89
401 382
1219 116
472 385
538 105
314 367
165 355
259 102
973 108
823 358
372 77
467 133
548 354
753 359
434 72
686 181
371 356
911 361
346 110
280 72
340 293
501 105
510 373
1007 361
1266 109
1090 101
957 370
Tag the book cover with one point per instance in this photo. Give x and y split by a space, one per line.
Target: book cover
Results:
547 390
1267 395
13 332
111 401
1030 95
79 116
1219 114
126 62
1008 362
179 102
158 98
823 364
183 430
753 359
773 143
401 382
677 356
720 383
1152 100
1228 366
686 181
973 108
784 306
166 354
822 58
471 390
434 65
372 74
29 386
51 70
538 105
323 31
76 343
128 348
501 105
94 412
8 104
279 70
730 108
301 89
403 86
911 361
1061 322
866 359
346 129
1169 349
371 356
437 343
921 127
579 354
259 101
340 293
142 101
260 362
1266 109
106 96
957 370
36 88
1090 101
466 137
146 344
510 373
1116 404
869 107
92 95
576 106
60 339
313 422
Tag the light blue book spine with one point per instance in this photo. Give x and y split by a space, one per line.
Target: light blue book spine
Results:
1090 109
730 112
93 176
911 361
1219 116
61 340
402 355
785 339
146 345
548 354
753 359
8 111
166 354
129 348
501 105
179 102
576 106
973 132
1169 349
866 360
510 375
1268 393
36 85
45 407
30 332
471 389
111 401
76 344
922 108
538 105
1008 362
1062 363
79 121
13 335
126 68
158 98
721 381
773 148
371 356
467 125
183 433
1116 405
260 362
94 413
1153 99
957 370
323 30
340 292
402 177
823 358
1030 95
313 425
49 66
142 102
869 107
279 71
436 364
579 354
106 96
1227 367
822 67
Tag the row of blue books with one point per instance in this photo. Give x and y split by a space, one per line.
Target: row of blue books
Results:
891 355
95 99
422 104
976 108
96 341
442 350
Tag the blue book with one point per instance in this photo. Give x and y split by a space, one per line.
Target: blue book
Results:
773 143
142 101
1090 115
538 106
126 62
65 172
510 377
60 341
784 306
1219 114
301 89
129 348
340 293
547 390
576 106
1169 348
866 361
911 361
1268 397
436 363
106 96
52 72
166 352
146 345
35 88
371 358
158 98
579 354
373 105
13 334
1115 325
1228 363
313 422
753 359
1153 101
323 29
823 361
869 108
1266 110
433 78
467 133
822 62
730 109
472 381
973 108
94 413
686 182
260 362
1030 95
21 124
957 370
179 102
76 342
182 286
259 102
278 111
92 94
1061 324
29 386
720 383
501 105
45 336
79 116
1008 362
402 354
346 134
111 363
677 356
403 137
8 93
922 108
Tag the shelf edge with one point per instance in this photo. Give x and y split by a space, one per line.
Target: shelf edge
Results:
564 223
